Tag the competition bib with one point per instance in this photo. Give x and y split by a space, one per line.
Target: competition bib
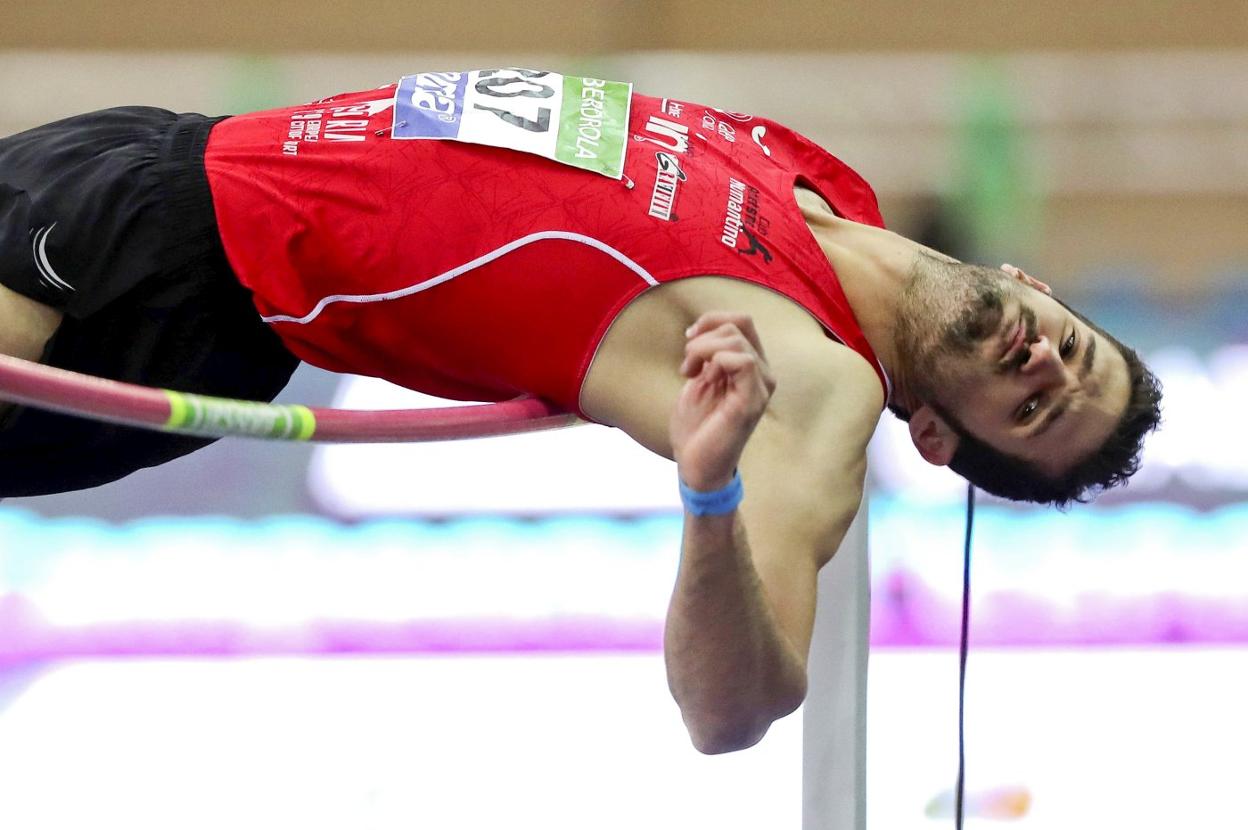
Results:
581 122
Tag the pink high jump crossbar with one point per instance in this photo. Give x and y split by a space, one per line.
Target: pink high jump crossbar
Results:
165 410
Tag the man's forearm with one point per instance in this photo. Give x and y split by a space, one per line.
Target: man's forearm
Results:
729 665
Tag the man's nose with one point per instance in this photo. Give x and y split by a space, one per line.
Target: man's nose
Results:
1043 361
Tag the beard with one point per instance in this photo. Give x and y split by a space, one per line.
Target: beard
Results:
947 311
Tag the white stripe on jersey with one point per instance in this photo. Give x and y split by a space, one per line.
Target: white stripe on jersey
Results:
463 269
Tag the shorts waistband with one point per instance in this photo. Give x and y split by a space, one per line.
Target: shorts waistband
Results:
192 238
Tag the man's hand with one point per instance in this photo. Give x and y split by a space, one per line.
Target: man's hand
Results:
727 392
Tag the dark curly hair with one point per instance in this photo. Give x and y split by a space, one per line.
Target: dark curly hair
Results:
1116 461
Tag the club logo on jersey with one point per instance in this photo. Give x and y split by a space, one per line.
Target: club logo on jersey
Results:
340 122
743 222
666 180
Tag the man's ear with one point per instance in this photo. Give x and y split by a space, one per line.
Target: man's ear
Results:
1026 279
935 440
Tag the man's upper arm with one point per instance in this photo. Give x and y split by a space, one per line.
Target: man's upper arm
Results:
804 469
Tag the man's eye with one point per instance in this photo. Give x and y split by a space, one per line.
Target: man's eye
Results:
1068 345
1028 409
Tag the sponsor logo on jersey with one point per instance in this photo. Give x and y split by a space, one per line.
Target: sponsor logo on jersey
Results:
743 222
725 130
756 247
437 94
669 135
589 119
758 134
666 181
673 108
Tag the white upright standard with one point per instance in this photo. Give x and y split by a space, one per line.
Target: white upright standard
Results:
834 728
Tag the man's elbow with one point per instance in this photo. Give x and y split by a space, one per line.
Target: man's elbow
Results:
721 734
726 736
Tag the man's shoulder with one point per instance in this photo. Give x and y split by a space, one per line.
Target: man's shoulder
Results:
826 391
648 334
815 373
821 383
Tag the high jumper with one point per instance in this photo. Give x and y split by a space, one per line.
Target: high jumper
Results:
710 282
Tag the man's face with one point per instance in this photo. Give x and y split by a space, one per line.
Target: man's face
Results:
1017 370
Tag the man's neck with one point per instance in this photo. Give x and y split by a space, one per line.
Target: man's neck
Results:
874 266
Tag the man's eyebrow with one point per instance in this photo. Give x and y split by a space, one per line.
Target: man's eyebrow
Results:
1055 412
1089 352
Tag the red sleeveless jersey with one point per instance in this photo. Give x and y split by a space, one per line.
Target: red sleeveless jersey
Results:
473 235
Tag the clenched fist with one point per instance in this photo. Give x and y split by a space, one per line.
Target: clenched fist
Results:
728 387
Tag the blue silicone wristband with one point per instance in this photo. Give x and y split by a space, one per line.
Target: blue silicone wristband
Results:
715 503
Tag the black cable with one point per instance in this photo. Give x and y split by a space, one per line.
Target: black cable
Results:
959 792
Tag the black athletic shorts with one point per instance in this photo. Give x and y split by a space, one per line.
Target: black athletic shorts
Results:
108 218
